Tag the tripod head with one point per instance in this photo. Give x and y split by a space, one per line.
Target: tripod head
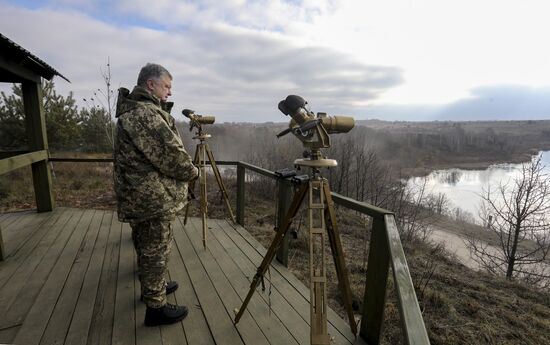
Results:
312 130
196 121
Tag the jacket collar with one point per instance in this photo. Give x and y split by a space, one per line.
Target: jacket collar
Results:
128 100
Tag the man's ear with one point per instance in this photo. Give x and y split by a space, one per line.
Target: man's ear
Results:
150 84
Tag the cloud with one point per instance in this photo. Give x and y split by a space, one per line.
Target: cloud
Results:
235 73
500 102
493 102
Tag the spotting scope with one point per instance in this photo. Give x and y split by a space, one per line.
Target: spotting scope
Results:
196 120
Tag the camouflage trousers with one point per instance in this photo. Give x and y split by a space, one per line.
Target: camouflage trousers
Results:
152 242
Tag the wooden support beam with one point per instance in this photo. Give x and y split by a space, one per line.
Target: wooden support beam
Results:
241 172
284 200
2 250
19 161
36 131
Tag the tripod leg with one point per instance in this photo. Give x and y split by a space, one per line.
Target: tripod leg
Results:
338 256
318 280
191 184
202 183
296 202
220 182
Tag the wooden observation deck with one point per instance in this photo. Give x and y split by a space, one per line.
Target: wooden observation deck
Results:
69 277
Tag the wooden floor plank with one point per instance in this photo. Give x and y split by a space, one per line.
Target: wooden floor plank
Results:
19 221
124 326
248 328
16 237
18 271
101 326
173 334
269 322
280 305
58 324
41 311
8 334
195 325
80 324
8 266
218 319
18 234
40 268
7 219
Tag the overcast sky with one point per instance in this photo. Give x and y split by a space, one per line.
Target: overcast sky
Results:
235 59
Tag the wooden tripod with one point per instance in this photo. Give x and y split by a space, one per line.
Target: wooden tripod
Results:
321 217
201 153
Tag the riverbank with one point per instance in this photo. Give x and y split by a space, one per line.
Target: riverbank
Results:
473 163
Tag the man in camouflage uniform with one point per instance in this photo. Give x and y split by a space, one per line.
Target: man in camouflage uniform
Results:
152 170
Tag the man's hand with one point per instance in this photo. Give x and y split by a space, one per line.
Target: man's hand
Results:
196 175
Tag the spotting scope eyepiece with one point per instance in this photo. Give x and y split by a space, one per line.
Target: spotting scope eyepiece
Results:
187 112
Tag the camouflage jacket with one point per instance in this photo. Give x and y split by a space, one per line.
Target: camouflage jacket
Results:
152 167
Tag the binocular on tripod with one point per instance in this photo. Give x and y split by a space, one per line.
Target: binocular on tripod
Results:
312 130
196 120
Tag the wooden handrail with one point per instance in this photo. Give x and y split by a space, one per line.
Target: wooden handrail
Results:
22 160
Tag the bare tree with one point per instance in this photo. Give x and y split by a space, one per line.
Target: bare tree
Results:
104 101
518 214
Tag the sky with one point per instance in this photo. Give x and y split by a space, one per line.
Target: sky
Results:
415 60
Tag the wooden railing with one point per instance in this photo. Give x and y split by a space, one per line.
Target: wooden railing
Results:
385 249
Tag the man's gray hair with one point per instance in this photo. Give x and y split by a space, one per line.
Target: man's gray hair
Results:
152 71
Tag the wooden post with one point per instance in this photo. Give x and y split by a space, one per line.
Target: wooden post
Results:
2 251
376 283
36 132
240 193
285 198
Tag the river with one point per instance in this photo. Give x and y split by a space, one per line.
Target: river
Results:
463 188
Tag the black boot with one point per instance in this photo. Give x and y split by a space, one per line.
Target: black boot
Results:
171 286
165 315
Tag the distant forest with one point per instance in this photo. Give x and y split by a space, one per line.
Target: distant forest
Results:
407 147
413 147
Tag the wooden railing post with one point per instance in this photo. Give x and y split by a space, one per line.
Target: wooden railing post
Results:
240 193
36 132
374 298
283 204
2 251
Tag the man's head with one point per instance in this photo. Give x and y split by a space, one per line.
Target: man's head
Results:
156 79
